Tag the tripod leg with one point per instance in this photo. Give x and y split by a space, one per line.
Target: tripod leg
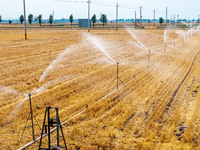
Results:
123 83
24 127
43 128
62 133
37 122
111 82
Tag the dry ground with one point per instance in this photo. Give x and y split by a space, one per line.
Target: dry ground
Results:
158 108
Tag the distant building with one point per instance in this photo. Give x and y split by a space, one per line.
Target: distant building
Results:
83 22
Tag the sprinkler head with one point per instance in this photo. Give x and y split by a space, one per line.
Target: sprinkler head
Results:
149 51
29 96
117 62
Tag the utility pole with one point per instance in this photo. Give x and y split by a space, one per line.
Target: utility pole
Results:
154 18
117 6
140 16
178 18
88 15
174 18
135 20
166 13
171 18
25 20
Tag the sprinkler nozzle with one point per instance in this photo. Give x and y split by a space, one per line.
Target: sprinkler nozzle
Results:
29 96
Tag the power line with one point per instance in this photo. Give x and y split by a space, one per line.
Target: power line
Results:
102 3
126 6
96 3
71 1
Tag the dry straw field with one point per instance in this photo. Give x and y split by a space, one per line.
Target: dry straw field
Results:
70 69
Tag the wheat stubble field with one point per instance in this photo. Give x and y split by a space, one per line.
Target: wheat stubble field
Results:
70 69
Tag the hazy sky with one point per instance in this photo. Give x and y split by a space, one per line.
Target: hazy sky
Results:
12 9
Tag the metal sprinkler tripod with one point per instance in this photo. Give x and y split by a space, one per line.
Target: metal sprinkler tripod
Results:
54 123
174 44
118 78
32 124
149 58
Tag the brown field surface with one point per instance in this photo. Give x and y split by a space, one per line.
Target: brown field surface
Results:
69 69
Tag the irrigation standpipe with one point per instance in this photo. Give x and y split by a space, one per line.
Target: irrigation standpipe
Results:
174 44
31 112
117 73
118 78
149 58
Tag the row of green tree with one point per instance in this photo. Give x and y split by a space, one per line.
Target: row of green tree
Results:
39 19
10 21
103 19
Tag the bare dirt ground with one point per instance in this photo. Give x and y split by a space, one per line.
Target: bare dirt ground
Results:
69 69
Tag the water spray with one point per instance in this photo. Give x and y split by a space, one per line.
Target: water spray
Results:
149 58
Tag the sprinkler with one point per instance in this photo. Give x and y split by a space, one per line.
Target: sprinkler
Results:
31 112
149 58
165 47
182 40
117 73
174 44
118 78
32 124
